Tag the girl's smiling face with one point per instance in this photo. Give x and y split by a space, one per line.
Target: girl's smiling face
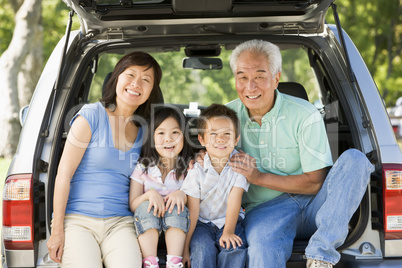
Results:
168 138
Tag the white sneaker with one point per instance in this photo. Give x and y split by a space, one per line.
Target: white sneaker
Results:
148 264
318 264
151 262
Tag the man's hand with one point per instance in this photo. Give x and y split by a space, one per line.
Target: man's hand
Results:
246 165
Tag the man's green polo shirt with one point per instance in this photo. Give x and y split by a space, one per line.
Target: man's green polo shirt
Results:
291 140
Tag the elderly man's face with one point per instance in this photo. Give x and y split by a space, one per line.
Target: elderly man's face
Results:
255 84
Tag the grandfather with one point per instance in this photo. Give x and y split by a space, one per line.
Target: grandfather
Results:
286 158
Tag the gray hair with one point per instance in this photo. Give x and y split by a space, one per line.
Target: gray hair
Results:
260 47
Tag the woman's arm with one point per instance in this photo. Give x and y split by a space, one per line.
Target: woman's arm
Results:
77 142
193 205
232 214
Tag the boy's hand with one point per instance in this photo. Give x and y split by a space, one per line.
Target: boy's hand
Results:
156 201
177 198
228 239
186 258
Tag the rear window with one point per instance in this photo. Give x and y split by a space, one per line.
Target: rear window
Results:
181 86
119 2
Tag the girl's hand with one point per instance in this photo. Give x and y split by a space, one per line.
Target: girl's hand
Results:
55 244
186 258
156 201
228 239
177 198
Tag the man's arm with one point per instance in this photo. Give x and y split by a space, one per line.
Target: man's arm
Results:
306 183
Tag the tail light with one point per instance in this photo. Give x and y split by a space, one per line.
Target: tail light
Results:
18 216
392 194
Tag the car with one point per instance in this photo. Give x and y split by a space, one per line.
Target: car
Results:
192 40
395 114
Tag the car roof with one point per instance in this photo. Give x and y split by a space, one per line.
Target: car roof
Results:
131 18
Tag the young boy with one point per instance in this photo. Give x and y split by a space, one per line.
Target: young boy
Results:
214 191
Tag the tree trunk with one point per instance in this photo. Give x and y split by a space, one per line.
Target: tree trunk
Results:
28 16
32 67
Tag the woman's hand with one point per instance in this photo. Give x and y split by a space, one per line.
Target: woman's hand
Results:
177 198
55 244
228 239
156 201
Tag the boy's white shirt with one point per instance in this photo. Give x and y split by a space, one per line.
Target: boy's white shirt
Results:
213 189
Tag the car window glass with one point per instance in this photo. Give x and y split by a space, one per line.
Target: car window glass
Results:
181 86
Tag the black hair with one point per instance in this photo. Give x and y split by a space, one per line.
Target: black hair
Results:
150 156
135 59
217 110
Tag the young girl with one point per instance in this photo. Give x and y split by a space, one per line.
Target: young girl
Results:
154 197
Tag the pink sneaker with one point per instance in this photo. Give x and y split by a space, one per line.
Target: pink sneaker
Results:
150 262
174 263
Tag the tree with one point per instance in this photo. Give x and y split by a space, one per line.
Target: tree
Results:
376 29
25 37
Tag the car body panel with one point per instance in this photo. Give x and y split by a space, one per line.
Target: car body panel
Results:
309 19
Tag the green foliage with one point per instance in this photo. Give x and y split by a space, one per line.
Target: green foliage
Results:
54 21
376 29
7 24
374 26
55 17
181 86
296 68
204 86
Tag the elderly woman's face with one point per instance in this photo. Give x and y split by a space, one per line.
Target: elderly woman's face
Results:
134 85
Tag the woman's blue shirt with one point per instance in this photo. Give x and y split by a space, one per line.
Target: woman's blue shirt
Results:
100 185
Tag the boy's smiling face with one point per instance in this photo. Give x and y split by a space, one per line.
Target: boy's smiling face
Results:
219 137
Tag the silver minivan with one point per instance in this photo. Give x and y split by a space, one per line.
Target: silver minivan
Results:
192 41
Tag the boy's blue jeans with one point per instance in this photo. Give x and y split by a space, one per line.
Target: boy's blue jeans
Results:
271 227
206 252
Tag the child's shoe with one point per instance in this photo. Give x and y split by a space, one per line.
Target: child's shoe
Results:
175 262
150 262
